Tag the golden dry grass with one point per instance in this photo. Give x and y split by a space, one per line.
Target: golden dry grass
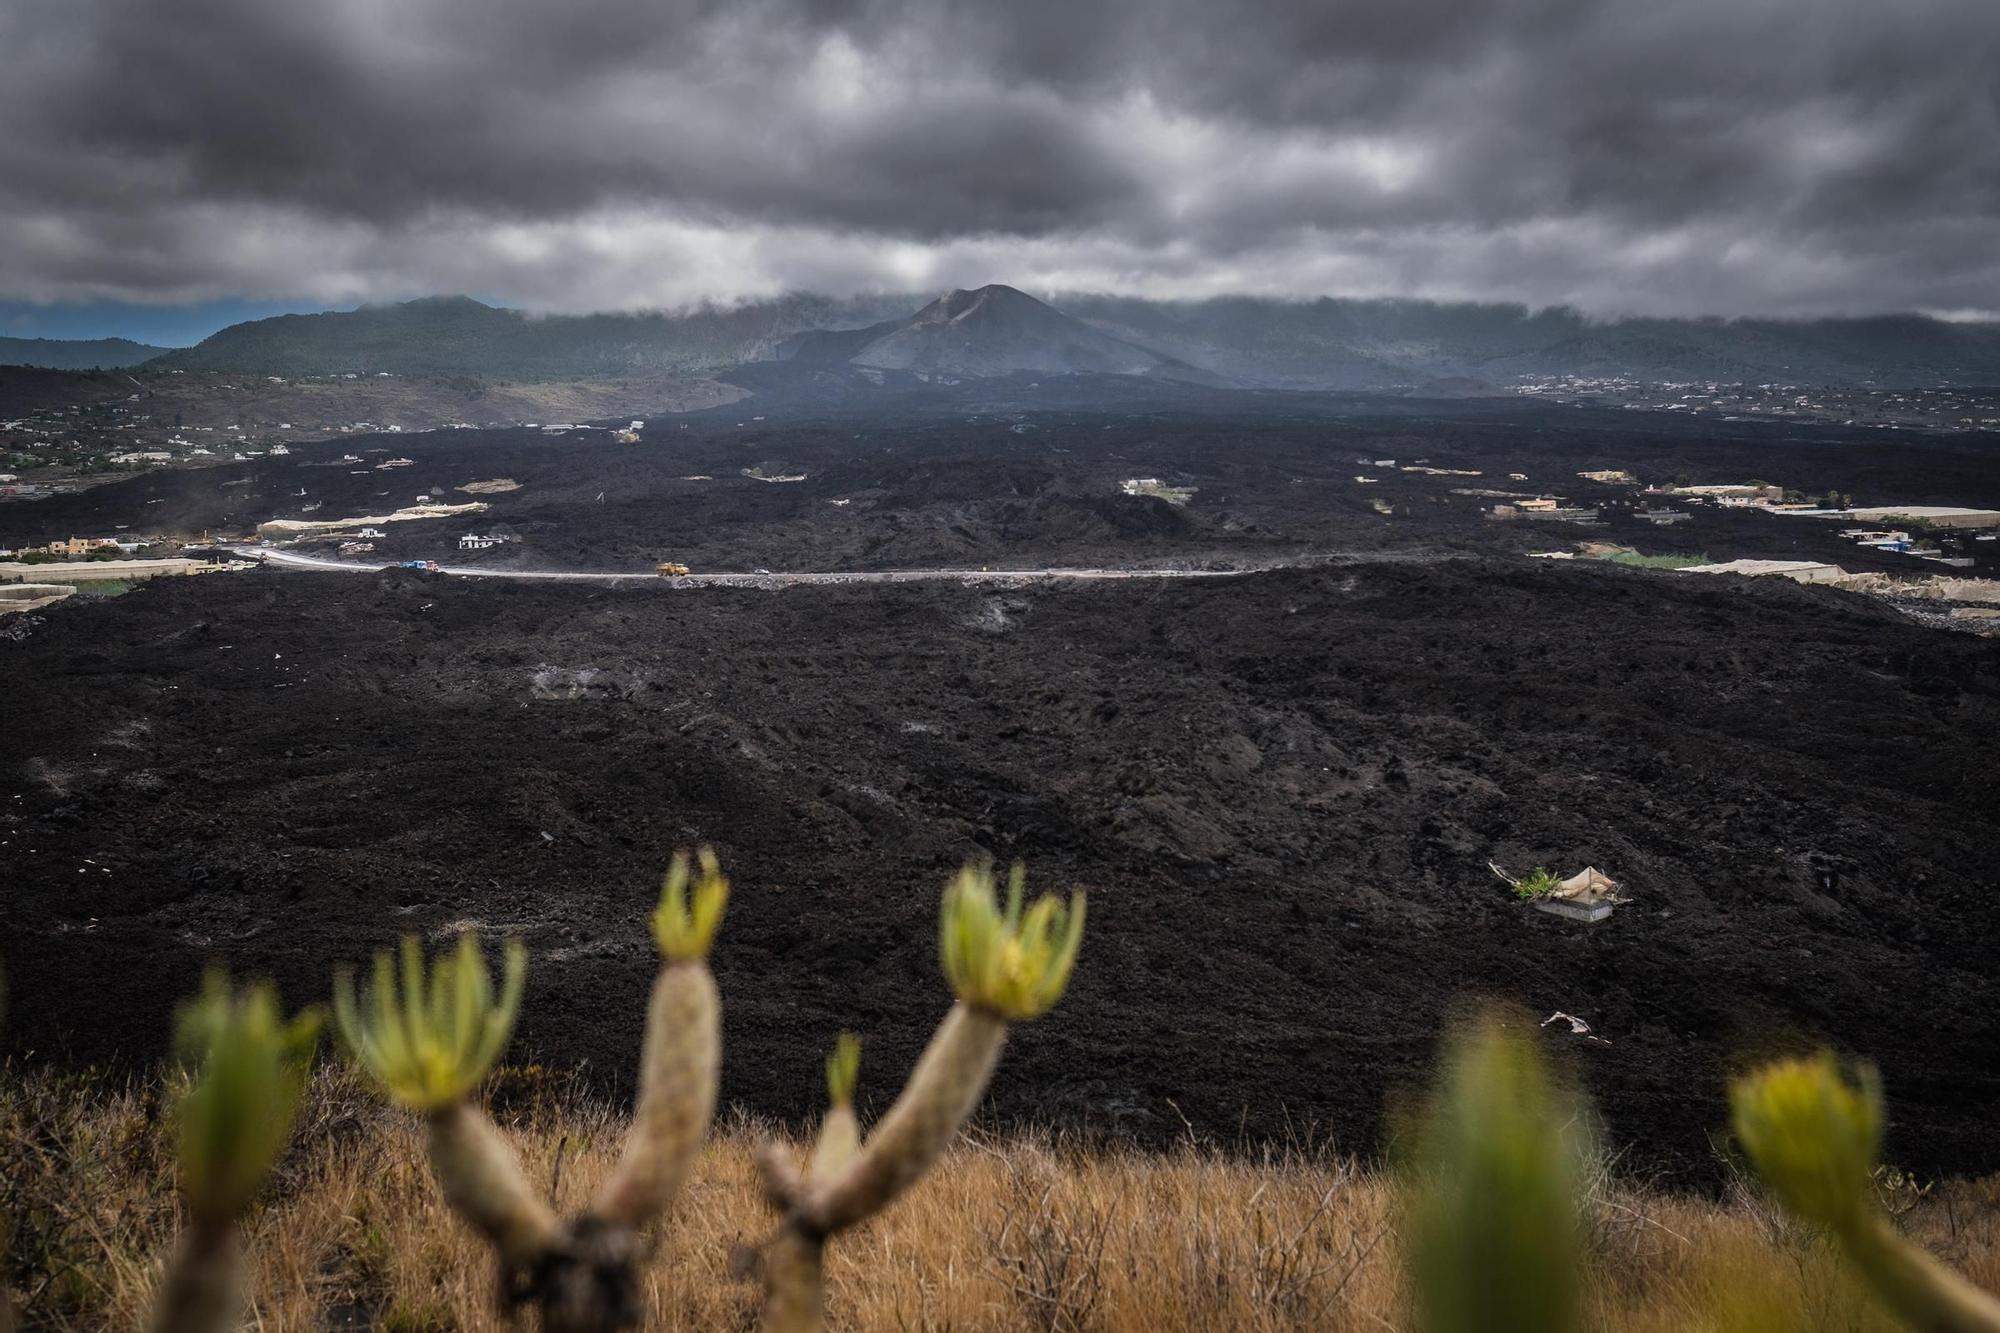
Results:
1027 1232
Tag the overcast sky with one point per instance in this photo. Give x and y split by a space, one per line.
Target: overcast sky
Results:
1727 157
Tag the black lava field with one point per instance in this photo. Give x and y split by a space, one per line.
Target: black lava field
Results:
1282 789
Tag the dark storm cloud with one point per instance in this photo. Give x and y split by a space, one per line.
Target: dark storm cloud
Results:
384 112
1718 155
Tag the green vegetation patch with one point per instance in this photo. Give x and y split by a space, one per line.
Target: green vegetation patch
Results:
1537 883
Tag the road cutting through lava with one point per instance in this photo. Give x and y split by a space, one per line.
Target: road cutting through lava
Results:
294 560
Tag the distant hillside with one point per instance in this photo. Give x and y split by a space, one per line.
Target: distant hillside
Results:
75 353
1370 344
455 335
996 330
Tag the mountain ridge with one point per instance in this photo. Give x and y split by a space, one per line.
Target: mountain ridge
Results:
1328 342
76 353
997 330
460 336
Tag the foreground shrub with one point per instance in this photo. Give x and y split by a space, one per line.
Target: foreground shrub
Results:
1494 1225
430 1045
248 1069
430 1042
1004 965
1814 1131
1025 1231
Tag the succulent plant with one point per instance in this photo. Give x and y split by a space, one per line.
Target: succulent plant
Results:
794 1287
1814 1131
1012 964
685 927
839 1133
1492 1213
248 1067
1003 964
430 1045
843 1070
680 1065
251 1067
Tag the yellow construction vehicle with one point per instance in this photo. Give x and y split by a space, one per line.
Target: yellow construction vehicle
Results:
670 570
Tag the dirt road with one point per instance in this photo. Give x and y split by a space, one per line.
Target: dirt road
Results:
294 560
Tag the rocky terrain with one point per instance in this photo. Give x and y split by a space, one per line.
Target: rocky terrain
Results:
1282 789
794 476
155 403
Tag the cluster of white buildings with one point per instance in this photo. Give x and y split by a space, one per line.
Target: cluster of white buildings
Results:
76 547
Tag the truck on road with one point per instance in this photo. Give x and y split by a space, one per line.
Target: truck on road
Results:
670 569
427 566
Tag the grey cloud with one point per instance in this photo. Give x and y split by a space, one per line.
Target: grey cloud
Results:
447 106
1785 156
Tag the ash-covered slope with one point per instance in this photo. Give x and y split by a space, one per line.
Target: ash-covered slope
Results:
997 330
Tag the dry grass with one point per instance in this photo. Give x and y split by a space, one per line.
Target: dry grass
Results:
1007 1234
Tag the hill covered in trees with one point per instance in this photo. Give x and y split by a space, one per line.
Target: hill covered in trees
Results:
75 353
